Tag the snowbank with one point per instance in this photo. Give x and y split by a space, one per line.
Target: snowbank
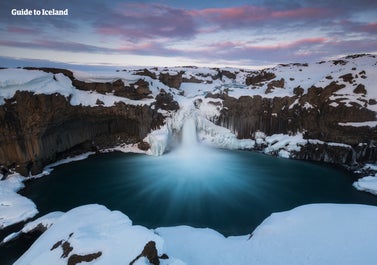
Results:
368 184
92 229
14 208
308 235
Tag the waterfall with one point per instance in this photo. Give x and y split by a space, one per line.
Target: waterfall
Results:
189 134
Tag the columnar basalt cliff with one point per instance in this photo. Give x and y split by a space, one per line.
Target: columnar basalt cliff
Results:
39 129
47 113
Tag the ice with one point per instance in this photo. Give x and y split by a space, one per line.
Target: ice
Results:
158 141
359 124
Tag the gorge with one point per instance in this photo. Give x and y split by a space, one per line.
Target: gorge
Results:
199 127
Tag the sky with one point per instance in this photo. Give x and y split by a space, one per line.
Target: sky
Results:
222 33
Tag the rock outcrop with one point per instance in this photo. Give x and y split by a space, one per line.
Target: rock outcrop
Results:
330 102
40 129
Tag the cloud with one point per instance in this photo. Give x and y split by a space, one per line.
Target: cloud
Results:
369 27
250 16
147 21
21 30
56 45
264 31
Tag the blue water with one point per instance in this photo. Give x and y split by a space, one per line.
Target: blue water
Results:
229 191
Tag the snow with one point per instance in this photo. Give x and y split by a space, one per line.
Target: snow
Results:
359 124
46 221
124 148
14 208
368 184
39 82
314 234
90 229
284 144
70 159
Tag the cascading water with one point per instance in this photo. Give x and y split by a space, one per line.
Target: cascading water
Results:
189 138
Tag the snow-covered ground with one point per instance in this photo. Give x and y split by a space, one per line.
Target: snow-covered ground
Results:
14 208
39 82
368 183
316 234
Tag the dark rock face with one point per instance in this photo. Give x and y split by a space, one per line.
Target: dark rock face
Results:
173 81
146 72
40 129
258 78
136 91
150 252
310 113
165 101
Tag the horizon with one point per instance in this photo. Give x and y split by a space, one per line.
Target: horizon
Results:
12 63
238 34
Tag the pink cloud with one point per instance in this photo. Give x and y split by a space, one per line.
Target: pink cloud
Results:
247 15
370 27
278 46
146 21
300 13
21 30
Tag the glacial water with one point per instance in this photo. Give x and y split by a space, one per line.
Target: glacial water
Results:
229 191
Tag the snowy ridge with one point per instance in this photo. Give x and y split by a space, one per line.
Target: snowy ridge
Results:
291 237
39 82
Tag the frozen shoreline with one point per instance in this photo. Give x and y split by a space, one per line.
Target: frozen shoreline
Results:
314 234
16 208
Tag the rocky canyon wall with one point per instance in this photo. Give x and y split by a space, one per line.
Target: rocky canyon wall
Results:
39 129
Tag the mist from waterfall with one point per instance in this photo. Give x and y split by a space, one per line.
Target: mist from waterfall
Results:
192 158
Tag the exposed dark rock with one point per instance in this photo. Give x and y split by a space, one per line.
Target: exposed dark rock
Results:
99 102
360 89
326 153
274 84
341 62
298 91
76 259
228 74
311 113
150 252
173 81
143 146
257 79
40 129
146 72
165 101
65 72
56 245
354 56
67 249
347 78
136 91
